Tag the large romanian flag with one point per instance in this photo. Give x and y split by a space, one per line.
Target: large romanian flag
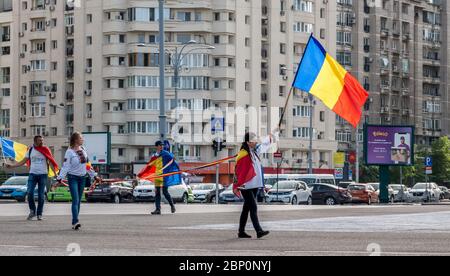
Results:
13 149
322 76
159 165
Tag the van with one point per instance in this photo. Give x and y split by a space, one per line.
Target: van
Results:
312 179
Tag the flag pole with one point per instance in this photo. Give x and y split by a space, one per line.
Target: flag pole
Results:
292 86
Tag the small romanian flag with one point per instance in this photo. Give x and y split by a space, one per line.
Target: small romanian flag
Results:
13 149
322 76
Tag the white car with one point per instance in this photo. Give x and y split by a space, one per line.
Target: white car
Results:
206 192
427 192
401 193
293 192
145 191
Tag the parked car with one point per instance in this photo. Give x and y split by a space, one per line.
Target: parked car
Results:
145 192
376 186
228 196
363 193
60 192
401 193
16 188
181 193
293 192
113 191
425 192
445 192
345 184
206 192
329 194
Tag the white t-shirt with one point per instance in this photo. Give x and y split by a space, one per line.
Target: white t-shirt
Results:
38 162
75 164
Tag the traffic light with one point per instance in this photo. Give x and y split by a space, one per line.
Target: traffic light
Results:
218 145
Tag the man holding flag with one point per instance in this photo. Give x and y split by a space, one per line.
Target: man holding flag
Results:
42 165
163 162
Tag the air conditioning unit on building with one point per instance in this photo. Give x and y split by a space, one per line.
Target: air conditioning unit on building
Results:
88 70
88 93
52 96
23 119
21 34
52 8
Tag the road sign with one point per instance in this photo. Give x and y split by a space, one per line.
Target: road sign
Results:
428 170
278 157
217 124
429 161
339 173
339 159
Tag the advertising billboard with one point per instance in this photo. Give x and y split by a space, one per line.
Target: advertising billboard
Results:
389 145
98 147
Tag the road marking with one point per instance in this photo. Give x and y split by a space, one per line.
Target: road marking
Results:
437 222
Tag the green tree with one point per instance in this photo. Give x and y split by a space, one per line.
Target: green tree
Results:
440 152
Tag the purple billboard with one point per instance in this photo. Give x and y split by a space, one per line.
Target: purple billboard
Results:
389 145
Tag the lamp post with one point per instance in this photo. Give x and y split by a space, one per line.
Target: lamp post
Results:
162 96
177 66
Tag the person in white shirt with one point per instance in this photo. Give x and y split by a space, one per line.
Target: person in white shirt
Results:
76 167
251 185
39 166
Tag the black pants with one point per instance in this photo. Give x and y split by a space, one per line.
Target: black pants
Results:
158 196
251 207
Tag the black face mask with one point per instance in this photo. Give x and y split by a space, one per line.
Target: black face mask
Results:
81 156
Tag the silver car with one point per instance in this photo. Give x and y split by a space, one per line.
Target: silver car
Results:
426 192
401 193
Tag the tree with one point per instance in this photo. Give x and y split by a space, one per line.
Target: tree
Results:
440 152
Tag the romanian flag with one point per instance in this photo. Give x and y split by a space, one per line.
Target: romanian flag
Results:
159 165
322 76
244 170
13 149
48 154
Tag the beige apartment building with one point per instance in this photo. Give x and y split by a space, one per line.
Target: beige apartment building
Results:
398 49
92 66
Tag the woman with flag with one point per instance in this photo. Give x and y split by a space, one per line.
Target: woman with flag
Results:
42 165
76 167
250 179
163 162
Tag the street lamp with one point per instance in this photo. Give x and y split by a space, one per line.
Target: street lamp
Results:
177 66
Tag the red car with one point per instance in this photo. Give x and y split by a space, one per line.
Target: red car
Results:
363 193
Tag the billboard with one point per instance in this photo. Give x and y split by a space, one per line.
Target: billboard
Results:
98 147
389 145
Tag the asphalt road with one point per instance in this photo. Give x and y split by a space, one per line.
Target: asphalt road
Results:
209 230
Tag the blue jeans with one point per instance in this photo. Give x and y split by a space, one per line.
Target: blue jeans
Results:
158 197
76 186
41 181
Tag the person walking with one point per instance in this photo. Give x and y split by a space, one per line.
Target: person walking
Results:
77 169
162 162
250 179
39 158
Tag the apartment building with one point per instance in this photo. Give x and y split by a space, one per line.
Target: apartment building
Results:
93 66
399 52
5 65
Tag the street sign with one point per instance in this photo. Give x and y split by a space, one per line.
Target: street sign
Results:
217 124
339 159
339 173
428 170
278 157
429 161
